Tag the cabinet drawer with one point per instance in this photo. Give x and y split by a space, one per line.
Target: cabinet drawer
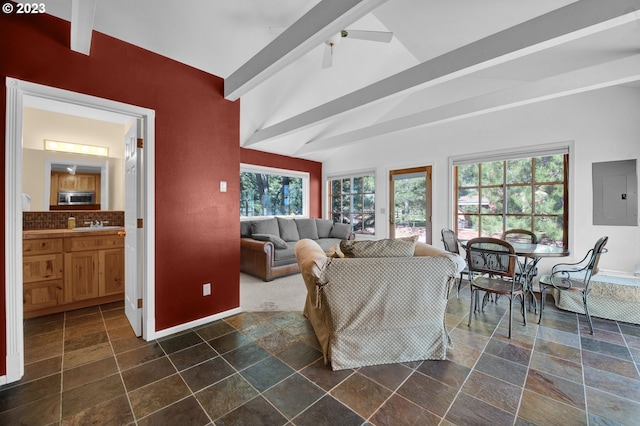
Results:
42 268
40 295
93 243
41 246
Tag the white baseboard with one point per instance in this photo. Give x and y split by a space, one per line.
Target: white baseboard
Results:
196 323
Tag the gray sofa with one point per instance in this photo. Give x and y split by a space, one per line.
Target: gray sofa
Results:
267 245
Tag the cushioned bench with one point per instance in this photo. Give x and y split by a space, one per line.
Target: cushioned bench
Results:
612 297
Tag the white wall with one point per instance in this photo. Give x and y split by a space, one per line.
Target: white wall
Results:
39 125
603 125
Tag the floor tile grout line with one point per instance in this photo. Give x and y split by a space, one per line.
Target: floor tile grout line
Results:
459 391
526 376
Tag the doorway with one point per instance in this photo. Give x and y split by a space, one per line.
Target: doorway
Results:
410 203
17 92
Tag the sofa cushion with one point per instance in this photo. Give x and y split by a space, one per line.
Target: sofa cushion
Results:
307 228
288 229
324 227
265 226
285 256
245 228
340 230
397 247
278 242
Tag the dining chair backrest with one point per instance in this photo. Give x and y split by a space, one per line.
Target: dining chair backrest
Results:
491 256
598 250
520 236
450 241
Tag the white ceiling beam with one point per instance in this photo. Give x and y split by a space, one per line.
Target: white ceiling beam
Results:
325 19
568 23
82 14
591 78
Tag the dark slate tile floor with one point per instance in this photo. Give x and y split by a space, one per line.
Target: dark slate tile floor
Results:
264 368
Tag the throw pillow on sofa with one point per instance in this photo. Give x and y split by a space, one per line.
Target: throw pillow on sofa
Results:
340 230
397 247
307 228
288 229
278 242
324 227
265 226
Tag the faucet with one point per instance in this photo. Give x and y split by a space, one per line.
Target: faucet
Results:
96 223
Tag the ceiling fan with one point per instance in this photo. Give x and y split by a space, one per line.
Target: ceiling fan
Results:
380 36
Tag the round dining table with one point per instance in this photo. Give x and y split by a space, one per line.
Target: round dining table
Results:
532 254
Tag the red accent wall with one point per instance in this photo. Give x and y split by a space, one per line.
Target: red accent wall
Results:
259 158
196 146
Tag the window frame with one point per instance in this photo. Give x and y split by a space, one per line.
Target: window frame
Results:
305 176
565 149
329 193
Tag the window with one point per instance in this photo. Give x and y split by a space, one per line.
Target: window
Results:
353 200
273 192
525 193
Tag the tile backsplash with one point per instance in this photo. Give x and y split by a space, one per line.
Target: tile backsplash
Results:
58 219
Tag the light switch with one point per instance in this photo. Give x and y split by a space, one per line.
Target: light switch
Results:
223 186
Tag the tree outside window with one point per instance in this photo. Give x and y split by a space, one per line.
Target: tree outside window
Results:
526 193
264 194
352 201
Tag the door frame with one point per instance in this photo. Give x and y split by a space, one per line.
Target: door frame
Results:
428 197
16 90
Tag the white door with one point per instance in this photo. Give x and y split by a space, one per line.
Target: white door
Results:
132 211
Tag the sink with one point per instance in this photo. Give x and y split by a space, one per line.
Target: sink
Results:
96 228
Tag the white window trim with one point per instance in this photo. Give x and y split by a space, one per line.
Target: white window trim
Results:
326 207
564 147
252 168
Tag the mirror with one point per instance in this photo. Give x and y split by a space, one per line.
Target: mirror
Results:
51 122
86 176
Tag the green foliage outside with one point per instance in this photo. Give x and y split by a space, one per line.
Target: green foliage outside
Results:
352 201
523 193
409 196
270 195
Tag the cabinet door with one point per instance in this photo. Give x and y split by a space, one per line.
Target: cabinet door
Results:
111 271
53 189
80 276
67 182
41 268
40 295
86 182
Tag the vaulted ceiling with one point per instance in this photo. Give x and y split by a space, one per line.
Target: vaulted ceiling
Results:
447 60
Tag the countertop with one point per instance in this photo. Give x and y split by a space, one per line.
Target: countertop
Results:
61 233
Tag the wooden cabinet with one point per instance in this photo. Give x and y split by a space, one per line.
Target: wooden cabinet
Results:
81 276
72 272
42 272
94 267
111 272
63 181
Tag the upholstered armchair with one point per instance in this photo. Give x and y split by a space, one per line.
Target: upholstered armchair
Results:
378 310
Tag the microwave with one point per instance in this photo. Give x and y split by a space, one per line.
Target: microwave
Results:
76 198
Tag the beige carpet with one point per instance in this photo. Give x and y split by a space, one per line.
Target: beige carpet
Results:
282 294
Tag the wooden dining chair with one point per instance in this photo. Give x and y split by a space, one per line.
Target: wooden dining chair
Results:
450 242
574 277
492 267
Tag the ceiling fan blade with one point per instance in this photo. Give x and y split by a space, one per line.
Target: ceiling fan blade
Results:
327 59
381 36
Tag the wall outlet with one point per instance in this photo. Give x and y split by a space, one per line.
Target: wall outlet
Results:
206 289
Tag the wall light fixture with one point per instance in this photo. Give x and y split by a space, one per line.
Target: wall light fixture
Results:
76 148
